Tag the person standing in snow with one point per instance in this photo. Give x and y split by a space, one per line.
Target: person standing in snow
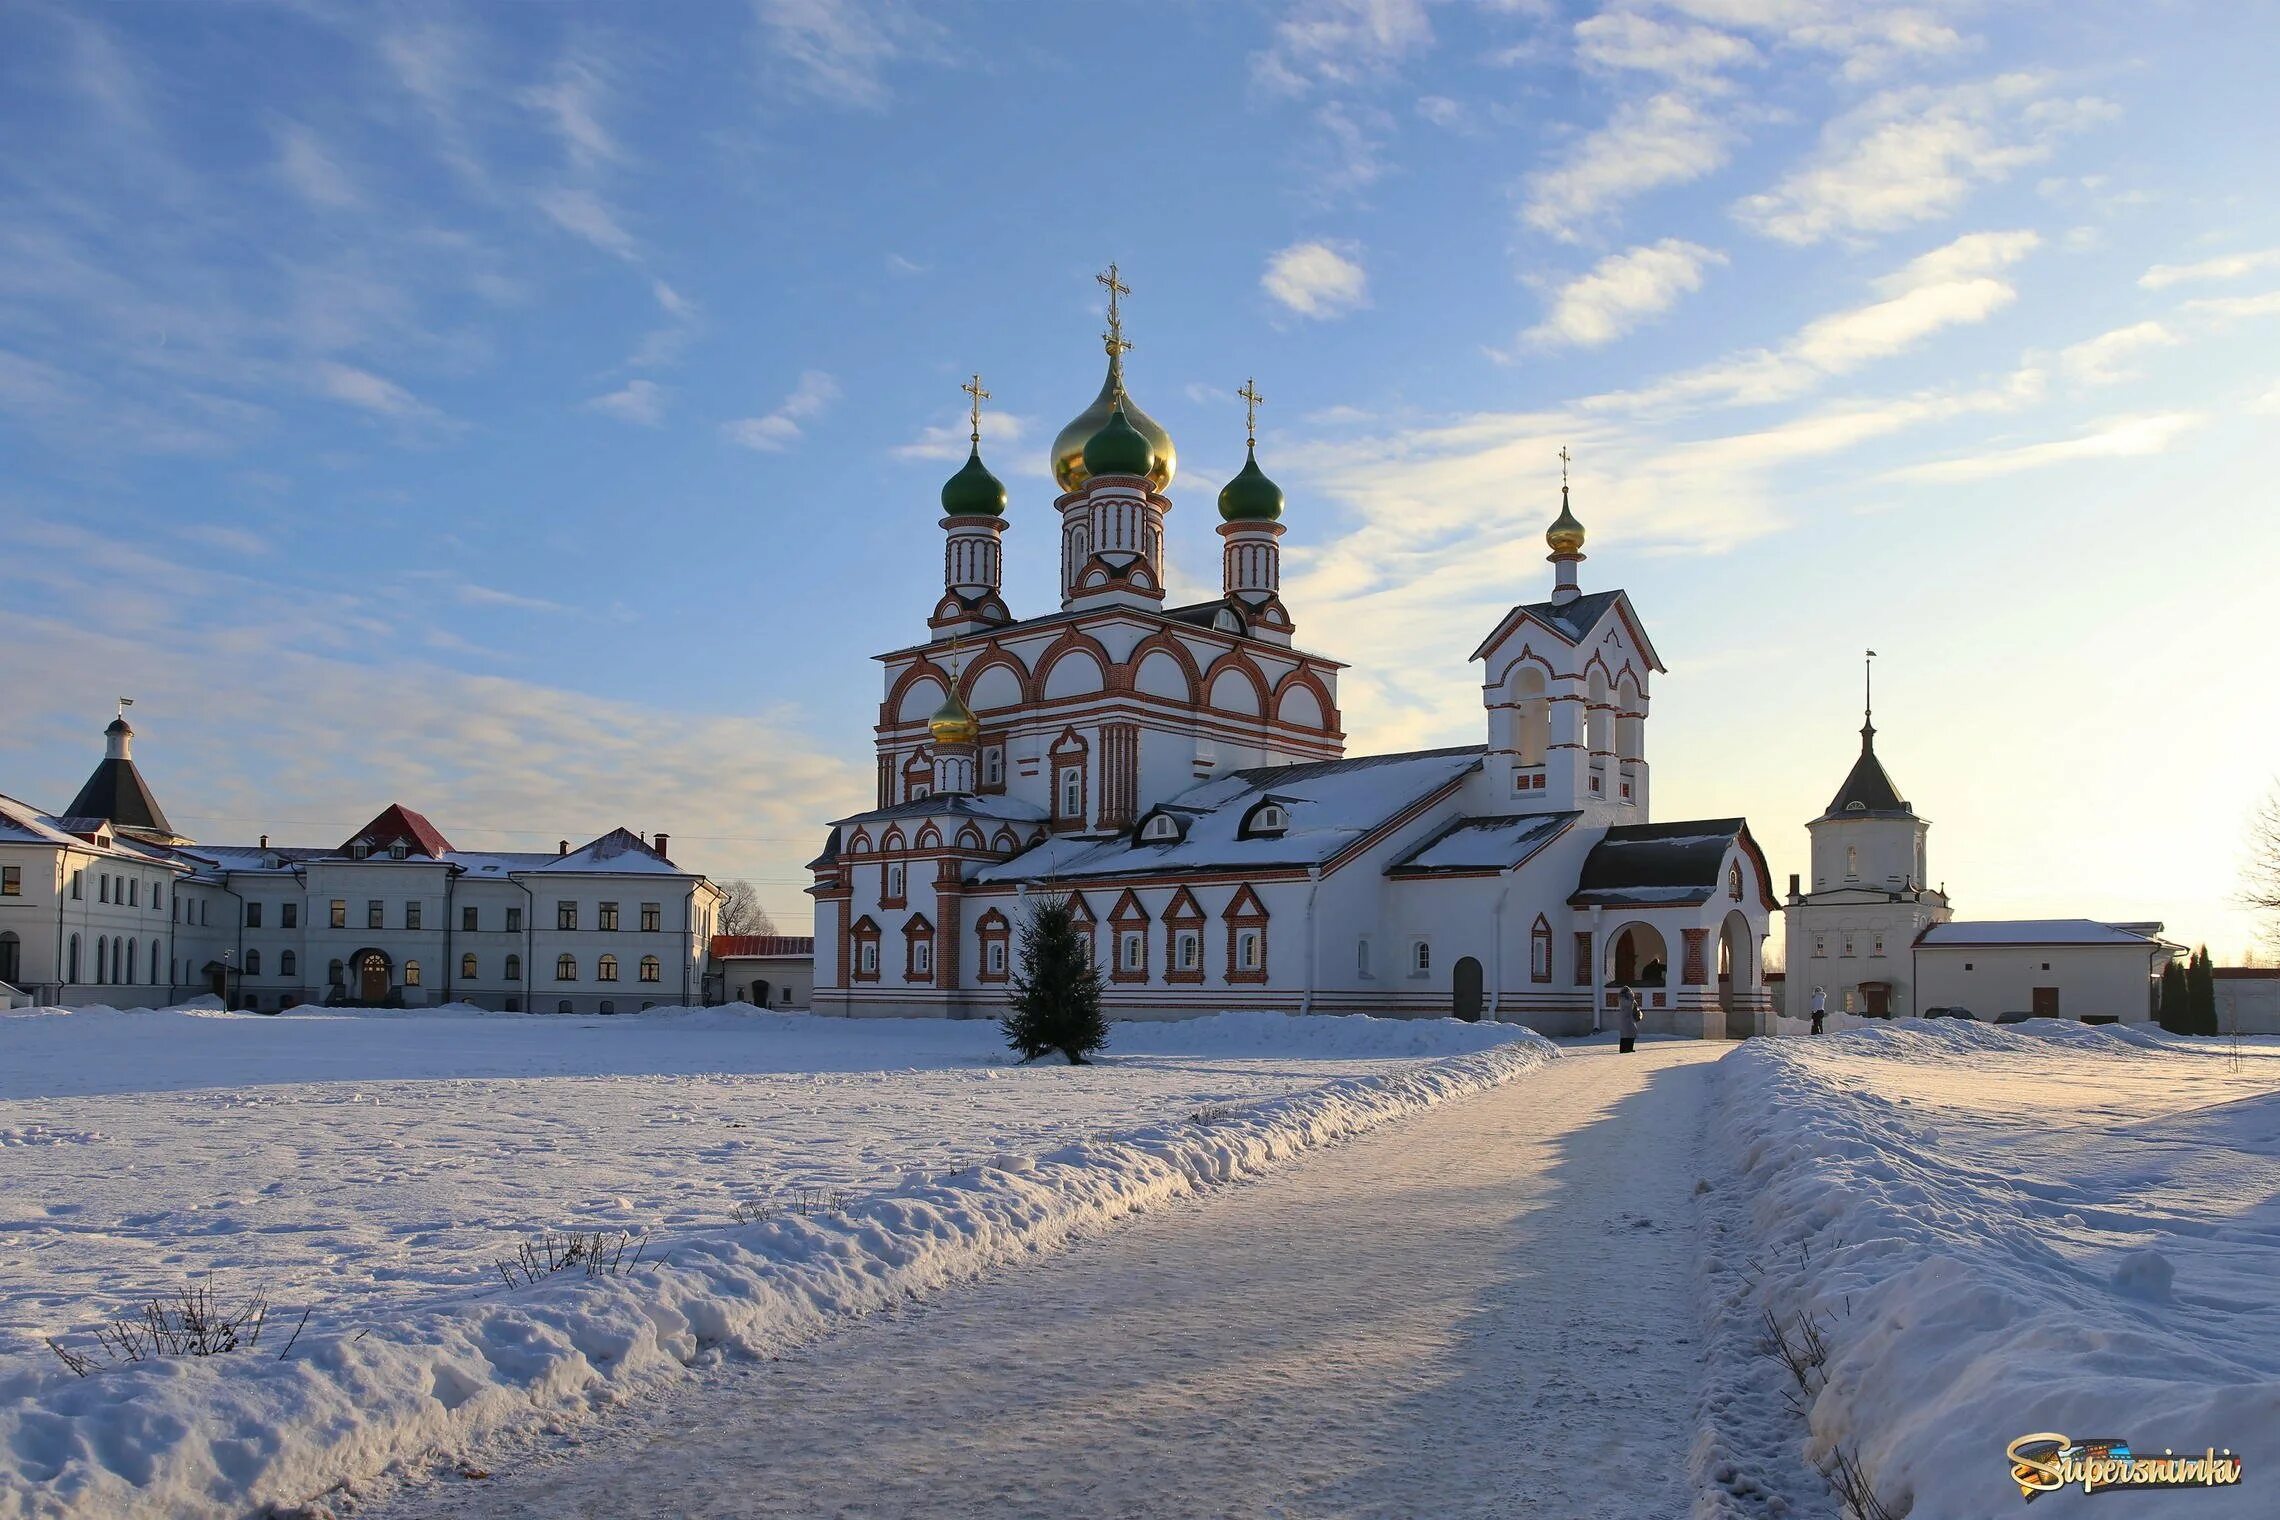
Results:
1820 1008
1627 1023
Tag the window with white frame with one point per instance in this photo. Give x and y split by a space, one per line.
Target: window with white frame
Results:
922 956
1248 944
605 969
1072 792
1420 957
1820 944
895 879
1132 950
993 765
1876 945
411 973
1848 944
870 957
1187 950
609 916
652 969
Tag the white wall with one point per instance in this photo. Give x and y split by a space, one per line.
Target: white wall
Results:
1996 979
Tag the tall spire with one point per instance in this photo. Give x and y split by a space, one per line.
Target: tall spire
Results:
1868 703
1565 536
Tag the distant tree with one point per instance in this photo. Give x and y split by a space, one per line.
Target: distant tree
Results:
1056 987
2200 995
741 913
2175 1013
2260 878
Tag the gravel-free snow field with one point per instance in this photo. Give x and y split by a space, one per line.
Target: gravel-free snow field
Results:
359 1160
2002 1232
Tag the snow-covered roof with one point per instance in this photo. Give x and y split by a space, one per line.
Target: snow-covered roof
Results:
1331 805
1484 844
2033 931
954 805
1656 864
618 851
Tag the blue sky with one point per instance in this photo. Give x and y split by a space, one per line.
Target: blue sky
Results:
534 414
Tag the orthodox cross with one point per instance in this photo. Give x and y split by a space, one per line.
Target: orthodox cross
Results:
973 389
1563 466
1252 401
1115 333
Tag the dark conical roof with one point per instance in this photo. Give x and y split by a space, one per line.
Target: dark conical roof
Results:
1867 788
117 791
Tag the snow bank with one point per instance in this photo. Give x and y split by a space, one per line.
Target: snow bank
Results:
1317 1035
2043 1227
225 1436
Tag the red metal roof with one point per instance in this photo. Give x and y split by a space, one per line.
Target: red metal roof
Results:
725 945
400 822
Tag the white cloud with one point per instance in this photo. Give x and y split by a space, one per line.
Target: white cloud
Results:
1440 110
312 171
1317 279
2120 438
1870 38
838 50
637 401
1909 155
1620 292
1342 42
1347 151
1630 41
581 212
2098 361
1665 140
373 393
1002 434
573 103
2227 266
780 429
1953 285
2220 311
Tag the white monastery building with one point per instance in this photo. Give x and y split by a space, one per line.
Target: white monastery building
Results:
106 903
1180 773
1878 940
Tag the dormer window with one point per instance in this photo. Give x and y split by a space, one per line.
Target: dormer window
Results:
1856 806
398 850
359 850
1268 818
1160 828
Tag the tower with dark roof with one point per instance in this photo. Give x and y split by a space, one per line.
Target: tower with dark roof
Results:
117 792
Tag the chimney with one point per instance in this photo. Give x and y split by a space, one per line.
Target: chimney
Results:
1793 885
563 848
265 841
662 839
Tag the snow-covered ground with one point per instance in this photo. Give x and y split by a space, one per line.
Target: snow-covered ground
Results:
378 1165
2039 1228
357 1161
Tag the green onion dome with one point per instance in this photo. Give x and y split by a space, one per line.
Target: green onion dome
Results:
1250 496
973 491
1118 448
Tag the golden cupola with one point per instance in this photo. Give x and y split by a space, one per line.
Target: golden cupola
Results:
953 722
1565 535
1069 444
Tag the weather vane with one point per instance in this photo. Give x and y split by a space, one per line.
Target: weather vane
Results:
1114 337
1252 401
973 388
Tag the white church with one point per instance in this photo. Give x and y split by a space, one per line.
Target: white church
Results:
1180 774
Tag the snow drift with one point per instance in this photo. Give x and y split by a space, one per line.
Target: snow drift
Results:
227 1436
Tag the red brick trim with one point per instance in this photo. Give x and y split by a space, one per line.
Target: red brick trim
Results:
1697 961
1245 913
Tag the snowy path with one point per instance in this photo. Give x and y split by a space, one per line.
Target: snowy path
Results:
1486 1310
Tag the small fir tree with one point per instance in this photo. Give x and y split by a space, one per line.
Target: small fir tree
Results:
1056 987
2174 1012
2201 994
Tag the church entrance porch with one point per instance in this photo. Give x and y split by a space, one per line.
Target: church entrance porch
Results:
1737 977
1464 987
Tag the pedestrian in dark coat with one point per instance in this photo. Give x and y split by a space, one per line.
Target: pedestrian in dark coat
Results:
1627 1022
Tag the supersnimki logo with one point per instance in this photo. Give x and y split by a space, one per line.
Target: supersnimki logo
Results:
2046 1462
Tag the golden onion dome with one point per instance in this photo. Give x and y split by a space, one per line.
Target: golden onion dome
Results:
1069 445
1565 535
953 723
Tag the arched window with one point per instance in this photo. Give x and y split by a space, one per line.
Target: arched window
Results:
563 1006
253 963
651 969
566 970
72 975
1852 862
1072 792
129 976
1420 956
608 1006
895 879
288 964
1540 950
102 961
467 968
514 968
605 969
1734 881
411 973
157 964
